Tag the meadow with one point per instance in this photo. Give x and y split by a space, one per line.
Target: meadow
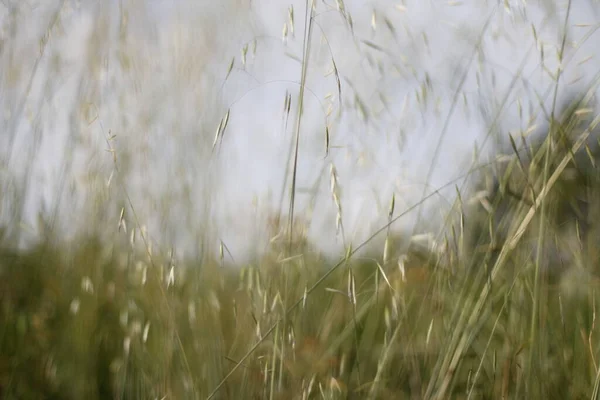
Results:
500 302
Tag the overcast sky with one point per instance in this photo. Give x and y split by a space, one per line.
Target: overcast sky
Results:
153 74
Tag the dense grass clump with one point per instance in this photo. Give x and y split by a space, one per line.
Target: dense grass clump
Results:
559 166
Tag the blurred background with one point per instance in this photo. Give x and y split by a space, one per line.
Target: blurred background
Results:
147 160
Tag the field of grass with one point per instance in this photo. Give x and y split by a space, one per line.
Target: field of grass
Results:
500 303
476 316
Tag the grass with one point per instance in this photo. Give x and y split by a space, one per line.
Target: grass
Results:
500 303
83 319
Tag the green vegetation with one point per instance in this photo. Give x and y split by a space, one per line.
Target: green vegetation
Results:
500 303
473 318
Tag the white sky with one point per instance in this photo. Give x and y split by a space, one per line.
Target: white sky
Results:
158 88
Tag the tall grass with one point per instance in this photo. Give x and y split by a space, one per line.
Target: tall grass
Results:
499 303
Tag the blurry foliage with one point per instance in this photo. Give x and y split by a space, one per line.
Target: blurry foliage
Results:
101 317
95 320
510 187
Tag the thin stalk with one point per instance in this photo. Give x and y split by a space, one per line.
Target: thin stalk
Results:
536 290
